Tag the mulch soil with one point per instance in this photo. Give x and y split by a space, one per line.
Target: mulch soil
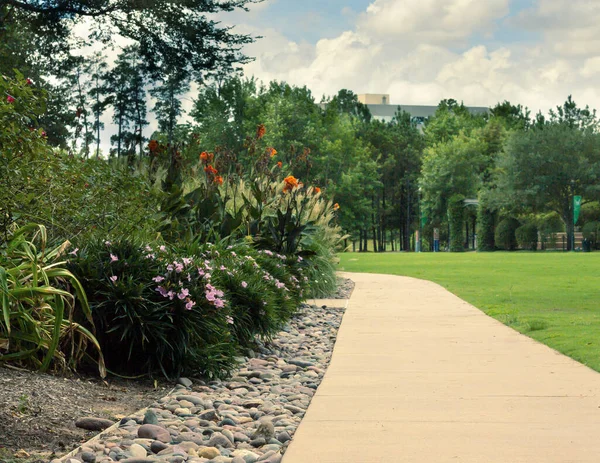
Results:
38 411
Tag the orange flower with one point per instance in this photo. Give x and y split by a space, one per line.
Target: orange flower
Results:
290 183
218 180
152 146
260 131
211 170
272 151
280 164
206 157
317 190
336 206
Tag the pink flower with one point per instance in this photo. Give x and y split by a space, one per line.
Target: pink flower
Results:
113 278
233 254
201 272
151 256
107 243
10 99
162 291
170 268
148 248
300 259
171 295
219 303
163 248
178 267
190 304
158 279
187 261
74 252
229 320
113 258
244 284
223 267
183 294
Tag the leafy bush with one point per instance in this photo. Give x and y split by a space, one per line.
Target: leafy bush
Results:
505 234
527 236
485 228
590 232
456 211
186 310
37 298
154 311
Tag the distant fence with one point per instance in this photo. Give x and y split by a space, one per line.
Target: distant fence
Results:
558 241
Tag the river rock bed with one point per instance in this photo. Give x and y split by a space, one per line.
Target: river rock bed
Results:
248 418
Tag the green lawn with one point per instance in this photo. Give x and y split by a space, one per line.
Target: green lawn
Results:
551 297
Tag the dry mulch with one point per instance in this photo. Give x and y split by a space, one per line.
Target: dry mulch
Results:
38 411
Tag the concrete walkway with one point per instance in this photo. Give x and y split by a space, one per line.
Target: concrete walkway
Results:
419 375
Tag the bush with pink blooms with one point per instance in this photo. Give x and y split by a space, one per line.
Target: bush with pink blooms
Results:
163 310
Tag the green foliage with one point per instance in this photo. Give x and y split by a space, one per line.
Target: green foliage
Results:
152 312
545 166
450 168
456 216
37 298
505 234
485 228
187 310
591 232
527 236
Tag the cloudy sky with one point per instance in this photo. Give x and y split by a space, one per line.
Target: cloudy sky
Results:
532 52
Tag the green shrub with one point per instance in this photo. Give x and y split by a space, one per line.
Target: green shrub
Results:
505 234
527 236
456 214
157 311
37 301
485 228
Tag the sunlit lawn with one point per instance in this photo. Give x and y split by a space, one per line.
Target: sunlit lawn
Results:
552 297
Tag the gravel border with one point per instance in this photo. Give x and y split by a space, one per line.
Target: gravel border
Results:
248 418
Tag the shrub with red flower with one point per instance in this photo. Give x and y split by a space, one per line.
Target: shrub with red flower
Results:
272 151
290 182
206 157
152 146
260 131
280 164
210 170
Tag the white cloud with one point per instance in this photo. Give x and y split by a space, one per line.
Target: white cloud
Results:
431 21
420 51
570 27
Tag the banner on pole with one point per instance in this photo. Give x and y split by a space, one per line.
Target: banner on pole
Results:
576 208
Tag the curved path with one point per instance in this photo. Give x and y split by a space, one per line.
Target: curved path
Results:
419 375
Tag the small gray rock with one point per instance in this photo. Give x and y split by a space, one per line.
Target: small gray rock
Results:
158 446
185 382
150 417
218 439
93 424
152 431
266 430
88 457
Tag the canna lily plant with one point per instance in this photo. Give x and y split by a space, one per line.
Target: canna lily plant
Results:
38 320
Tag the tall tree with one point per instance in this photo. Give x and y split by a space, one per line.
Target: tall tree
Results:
544 167
168 106
170 33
